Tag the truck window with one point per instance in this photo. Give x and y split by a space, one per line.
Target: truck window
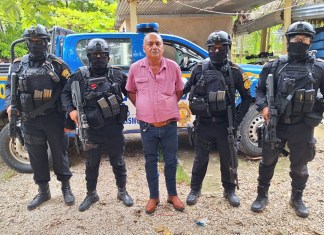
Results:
185 57
120 52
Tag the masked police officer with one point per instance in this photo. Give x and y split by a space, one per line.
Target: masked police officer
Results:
212 85
41 78
297 78
101 88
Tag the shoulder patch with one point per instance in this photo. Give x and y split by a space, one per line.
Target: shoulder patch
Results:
66 73
246 81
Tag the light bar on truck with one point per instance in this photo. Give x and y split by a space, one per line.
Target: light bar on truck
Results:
147 28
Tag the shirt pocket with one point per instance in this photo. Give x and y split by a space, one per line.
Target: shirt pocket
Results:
168 88
142 84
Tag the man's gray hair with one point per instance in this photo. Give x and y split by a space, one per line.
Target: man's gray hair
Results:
149 34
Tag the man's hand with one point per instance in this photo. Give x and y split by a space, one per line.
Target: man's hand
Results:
74 116
266 114
132 97
9 112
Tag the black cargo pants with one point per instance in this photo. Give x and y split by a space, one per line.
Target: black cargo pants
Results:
37 133
110 140
301 143
207 135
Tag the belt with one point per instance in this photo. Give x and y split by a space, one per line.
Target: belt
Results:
162 124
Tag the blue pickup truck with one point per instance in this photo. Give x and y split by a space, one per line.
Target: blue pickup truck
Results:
126 48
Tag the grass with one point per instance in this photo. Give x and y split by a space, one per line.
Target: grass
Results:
182 176
8 174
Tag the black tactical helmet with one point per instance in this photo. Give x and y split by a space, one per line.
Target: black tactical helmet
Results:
97 45
219 37
300 27
40 32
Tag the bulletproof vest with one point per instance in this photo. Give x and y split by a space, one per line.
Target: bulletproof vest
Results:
295 93
100 97
208 96
36 84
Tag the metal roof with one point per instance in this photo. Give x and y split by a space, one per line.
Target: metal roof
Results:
185 7
311 12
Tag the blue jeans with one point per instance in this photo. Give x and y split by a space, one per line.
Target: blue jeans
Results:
166 139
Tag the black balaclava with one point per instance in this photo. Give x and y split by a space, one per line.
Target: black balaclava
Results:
37 51
297 51
99 64
218 59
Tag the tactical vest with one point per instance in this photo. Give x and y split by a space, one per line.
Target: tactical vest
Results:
295 93
101 99
36 86
210 94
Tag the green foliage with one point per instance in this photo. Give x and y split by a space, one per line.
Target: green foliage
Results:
7 38
80 15
101 20
251 44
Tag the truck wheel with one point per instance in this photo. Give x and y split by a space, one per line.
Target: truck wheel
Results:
248 133
14 153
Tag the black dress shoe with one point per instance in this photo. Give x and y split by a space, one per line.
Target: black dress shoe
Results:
124 197
232 198
91 198
193 197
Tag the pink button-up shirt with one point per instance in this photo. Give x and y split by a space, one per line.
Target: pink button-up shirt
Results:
156 100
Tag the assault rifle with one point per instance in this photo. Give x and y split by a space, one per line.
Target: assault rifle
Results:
13 104
81 129
270 127
232 146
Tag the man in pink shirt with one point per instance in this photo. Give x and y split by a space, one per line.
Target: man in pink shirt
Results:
155 86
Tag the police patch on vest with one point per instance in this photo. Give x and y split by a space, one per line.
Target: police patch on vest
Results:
66 73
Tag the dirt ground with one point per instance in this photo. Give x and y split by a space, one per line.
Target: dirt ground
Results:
109 216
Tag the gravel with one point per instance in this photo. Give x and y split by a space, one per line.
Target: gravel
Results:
110 216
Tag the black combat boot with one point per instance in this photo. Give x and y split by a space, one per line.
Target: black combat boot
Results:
262 200
67 193
124 197
297 203
230 195
91 198
193 197
43 195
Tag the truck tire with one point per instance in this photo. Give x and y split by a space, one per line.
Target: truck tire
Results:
248 143
14 153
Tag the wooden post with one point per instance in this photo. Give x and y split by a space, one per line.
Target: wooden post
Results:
268 38
287 23
133 14
241 47
263 40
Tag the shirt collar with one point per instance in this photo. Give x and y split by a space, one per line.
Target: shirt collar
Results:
145 63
